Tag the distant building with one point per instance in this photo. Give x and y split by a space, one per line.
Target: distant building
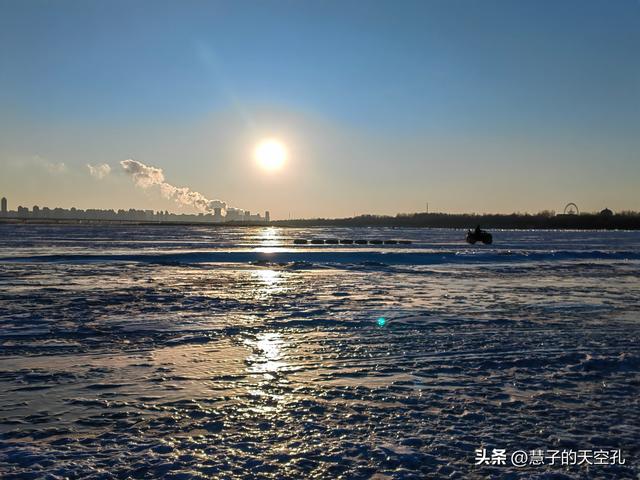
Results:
233 215
606 213
230 214
266 216
217 214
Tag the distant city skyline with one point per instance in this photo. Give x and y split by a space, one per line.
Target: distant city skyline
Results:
365 107
216 215
220 215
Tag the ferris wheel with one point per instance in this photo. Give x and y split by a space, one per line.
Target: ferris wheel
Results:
571 209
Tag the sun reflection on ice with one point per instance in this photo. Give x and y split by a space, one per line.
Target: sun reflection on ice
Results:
269 278
268 355
269 240
267 282
267 363
269 237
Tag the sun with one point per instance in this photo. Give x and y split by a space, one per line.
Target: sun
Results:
271 154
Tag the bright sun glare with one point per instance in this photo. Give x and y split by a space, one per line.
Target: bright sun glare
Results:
271 154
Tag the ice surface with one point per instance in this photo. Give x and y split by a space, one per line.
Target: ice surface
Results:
194 352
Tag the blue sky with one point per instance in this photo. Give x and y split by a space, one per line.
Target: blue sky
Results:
384 105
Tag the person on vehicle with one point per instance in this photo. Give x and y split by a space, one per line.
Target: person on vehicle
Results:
478 231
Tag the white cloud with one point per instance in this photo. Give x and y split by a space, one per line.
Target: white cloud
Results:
99 171
51 167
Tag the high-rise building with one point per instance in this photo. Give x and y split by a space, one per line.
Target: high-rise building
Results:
3 206
217 214
266 216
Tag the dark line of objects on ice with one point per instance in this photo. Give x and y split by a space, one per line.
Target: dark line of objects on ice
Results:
335 241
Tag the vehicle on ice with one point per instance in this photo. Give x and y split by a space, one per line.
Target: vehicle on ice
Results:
479 235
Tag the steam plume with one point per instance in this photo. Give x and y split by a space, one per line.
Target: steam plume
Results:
147 176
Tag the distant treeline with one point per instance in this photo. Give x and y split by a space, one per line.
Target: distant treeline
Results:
544 220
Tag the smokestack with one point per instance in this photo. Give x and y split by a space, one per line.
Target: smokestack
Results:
266 216
3 206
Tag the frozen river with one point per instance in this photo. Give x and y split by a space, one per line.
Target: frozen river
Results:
201 352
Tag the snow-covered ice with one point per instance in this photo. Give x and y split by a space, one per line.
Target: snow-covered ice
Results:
201 352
